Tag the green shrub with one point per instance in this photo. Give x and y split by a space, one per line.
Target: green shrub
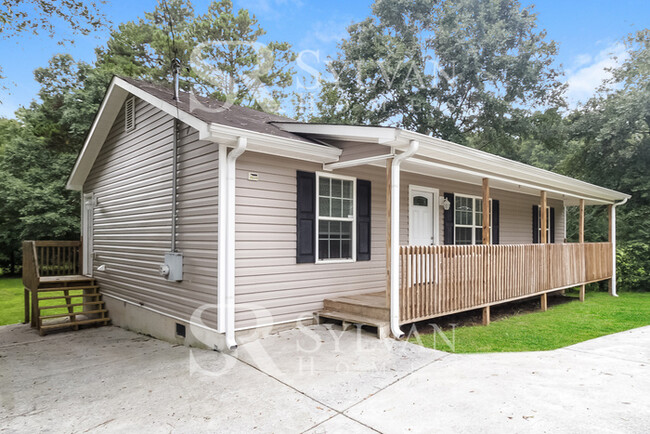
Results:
633 266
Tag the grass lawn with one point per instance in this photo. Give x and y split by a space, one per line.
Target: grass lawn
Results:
563 324
11 301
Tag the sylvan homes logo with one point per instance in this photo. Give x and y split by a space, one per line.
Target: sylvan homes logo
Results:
308 349
395 73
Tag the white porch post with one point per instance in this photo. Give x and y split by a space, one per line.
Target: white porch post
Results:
612 239
394 234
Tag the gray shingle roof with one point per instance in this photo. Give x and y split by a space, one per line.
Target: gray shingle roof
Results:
212 111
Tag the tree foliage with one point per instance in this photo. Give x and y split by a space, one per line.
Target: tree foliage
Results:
220 51
613 131
459 69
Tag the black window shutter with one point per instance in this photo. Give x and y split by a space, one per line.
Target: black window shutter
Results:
363 220
552 225
495 221
449 219
535 224
306 217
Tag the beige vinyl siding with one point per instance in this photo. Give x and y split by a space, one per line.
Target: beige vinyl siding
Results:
267 276
515 209
132 181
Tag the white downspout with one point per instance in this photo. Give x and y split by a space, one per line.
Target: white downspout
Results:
394 233
231 343
613 217
222 212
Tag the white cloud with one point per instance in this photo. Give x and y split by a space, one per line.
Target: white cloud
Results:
589 72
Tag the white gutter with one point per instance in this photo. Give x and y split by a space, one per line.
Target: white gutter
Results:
613 240
394 235
229 256
357 162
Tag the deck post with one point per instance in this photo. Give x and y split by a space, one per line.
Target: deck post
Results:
486 315
26 295
486 211
581 236
389 166
544 302
542 213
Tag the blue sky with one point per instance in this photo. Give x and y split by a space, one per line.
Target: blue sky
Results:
588 31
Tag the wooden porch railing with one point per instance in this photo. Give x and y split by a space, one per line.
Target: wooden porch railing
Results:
440 280
50 258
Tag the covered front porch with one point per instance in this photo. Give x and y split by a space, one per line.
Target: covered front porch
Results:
428 278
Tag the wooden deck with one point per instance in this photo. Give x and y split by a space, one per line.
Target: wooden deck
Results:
442 280
51 272
77 278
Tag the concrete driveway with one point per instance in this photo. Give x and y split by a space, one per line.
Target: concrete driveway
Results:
316 380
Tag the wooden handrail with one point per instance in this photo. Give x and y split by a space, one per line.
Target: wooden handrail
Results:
439 280
51 258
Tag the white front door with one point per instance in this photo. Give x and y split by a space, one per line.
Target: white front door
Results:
87 233
423 216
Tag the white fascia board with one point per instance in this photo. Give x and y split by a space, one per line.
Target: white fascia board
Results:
459 156
167 107
351 133
274 145
494 165
116 94
108 110
518 185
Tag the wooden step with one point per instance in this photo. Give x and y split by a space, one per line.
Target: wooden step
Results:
68 288
347 319
66 324
60 306
366 305
58 297
63 315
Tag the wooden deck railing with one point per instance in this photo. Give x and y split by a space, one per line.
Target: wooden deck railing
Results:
440 280
50 258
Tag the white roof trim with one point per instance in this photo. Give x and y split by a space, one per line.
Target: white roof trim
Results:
117 93
275 145
463 158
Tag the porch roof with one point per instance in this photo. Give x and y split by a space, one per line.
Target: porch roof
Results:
448 160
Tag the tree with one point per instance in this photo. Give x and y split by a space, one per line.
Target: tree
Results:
459 69
220 52
41 16
613 135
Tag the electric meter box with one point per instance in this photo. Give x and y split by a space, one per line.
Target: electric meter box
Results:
172 269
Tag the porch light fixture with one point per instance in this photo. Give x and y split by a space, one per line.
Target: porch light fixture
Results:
444 203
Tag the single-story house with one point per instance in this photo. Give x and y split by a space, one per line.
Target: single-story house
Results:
224 219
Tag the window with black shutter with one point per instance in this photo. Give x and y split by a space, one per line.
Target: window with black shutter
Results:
333 218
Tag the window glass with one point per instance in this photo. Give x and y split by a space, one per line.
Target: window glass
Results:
420 201
468 219
335 218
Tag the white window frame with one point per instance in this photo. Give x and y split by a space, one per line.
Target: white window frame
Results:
473 226
319 218
539 224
